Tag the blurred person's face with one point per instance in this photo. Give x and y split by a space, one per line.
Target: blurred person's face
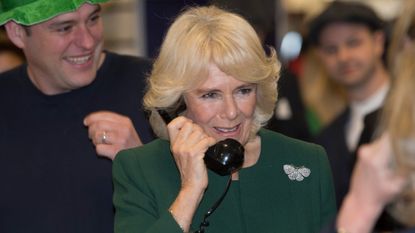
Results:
350 53
65 52
223 106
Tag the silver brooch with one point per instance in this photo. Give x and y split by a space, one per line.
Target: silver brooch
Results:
296 173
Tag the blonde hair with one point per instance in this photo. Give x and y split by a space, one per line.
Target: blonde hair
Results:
398 115
401 30
208 35
399 121
319 90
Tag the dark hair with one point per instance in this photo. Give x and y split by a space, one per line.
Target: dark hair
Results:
347 12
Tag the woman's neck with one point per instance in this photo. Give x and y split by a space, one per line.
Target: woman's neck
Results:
252 153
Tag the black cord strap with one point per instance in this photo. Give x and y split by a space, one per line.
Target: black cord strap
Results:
205 223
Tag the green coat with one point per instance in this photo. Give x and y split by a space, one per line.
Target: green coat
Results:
264 200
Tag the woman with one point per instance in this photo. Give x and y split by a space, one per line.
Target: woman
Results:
213 72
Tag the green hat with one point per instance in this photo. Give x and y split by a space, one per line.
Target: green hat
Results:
29 12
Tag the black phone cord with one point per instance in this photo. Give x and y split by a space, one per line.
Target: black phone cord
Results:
205 223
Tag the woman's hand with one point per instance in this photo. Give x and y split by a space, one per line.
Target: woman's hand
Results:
188 144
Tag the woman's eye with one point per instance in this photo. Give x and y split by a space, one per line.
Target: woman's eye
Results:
209 95
246 91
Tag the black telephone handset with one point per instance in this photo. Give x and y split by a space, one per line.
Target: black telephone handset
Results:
224 158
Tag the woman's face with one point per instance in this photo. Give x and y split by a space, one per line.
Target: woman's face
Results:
223 106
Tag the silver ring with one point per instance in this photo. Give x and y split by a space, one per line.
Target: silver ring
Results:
104 137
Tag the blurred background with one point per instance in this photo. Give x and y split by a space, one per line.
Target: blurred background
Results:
308 100
137 26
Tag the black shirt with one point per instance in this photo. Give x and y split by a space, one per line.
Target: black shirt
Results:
51 177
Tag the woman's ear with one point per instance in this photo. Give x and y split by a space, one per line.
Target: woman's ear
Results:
16 33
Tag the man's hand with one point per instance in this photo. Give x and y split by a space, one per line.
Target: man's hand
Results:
111 132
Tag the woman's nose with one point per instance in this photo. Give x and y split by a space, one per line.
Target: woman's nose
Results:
230 108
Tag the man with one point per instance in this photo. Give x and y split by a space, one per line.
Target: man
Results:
64 116
350 40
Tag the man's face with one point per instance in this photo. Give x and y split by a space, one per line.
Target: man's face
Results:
65 52
350 53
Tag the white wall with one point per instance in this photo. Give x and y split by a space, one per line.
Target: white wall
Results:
124 27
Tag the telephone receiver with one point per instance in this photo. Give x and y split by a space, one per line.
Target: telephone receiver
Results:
223 158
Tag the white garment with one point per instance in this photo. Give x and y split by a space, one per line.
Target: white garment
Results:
283 109
358 110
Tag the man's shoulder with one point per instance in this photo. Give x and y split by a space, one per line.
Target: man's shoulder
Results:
117 67
127 61
12 77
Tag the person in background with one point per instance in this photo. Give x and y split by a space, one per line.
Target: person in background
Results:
64 116
384 177
318 90
349 41
215 80
373 186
